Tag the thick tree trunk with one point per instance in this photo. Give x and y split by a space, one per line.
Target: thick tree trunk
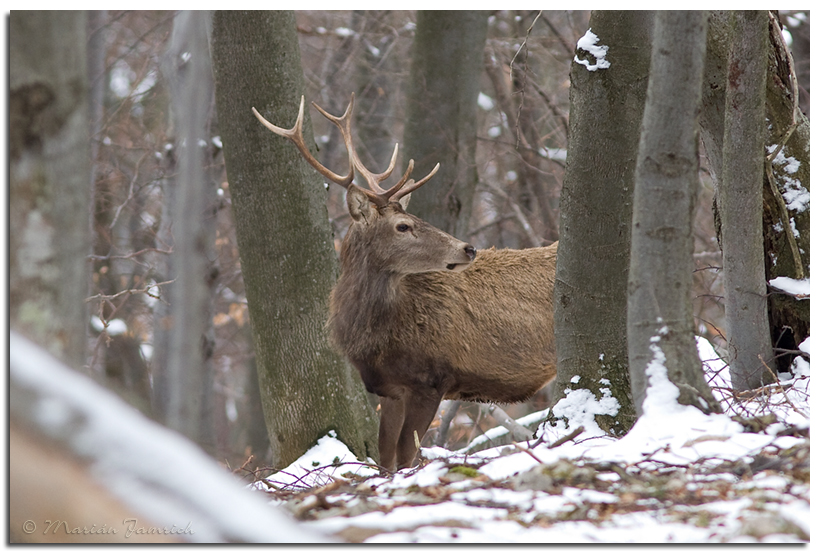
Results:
49 180
659 309
785 214
285 243
606 107
441 114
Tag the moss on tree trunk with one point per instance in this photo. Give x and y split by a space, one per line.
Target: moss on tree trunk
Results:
606 107
285 240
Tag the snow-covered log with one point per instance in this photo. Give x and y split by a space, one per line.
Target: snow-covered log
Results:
85 466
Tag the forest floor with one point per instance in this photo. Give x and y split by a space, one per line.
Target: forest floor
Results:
678 476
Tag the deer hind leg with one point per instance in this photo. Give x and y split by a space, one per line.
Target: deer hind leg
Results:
420 409
390 425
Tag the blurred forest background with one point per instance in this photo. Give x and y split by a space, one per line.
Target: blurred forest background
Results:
523 110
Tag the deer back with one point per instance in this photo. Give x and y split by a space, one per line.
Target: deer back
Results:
484 333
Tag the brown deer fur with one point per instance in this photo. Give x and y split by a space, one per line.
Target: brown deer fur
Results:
422 315
483 333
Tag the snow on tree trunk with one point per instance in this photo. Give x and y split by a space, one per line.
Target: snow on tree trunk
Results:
288 262
49 171
607 96
440 117
659 307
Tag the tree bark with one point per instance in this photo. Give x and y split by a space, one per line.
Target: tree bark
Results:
184 382
284 238
49 171
785 226
606 107
440 118
659 308
786 209
740 202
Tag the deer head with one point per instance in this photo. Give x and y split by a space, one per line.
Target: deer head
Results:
382 233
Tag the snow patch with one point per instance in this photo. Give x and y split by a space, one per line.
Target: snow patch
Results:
485 102
795 195
151 469
490 508
589 43
580 407
317 467
801 289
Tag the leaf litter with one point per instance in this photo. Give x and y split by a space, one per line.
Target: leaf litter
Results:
678 476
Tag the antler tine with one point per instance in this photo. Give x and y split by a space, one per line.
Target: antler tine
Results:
411 184
376 192
396 187
295 136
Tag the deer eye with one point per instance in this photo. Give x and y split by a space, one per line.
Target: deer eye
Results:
401 227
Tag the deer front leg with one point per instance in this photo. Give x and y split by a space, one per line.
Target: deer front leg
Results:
390 425
420 409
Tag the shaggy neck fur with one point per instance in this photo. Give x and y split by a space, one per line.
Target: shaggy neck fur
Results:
363 304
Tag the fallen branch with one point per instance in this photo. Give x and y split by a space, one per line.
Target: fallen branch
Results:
571 436
518 432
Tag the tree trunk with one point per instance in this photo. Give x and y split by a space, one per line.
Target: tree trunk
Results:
786 213
785 224
49 180
659 308
606 107
284 238
740 203
441 114
184 382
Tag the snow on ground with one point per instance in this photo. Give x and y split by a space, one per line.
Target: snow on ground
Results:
678 476
153 471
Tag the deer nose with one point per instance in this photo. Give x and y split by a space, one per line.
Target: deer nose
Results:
470 251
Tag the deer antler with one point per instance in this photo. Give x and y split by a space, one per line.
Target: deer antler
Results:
376 193
295 136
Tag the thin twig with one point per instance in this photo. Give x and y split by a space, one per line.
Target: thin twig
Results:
130 191
571 436
127 256
528 452
146 290
780 386
524 45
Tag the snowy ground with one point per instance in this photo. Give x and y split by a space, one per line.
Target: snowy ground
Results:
678 476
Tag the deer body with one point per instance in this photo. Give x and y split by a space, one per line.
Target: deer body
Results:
483 334
423 316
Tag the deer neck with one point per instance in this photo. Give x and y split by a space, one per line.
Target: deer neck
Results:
371 287
364 310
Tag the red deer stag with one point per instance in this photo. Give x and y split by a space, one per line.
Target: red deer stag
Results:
424 316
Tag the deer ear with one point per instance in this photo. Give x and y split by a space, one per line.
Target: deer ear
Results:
404 201
360 206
